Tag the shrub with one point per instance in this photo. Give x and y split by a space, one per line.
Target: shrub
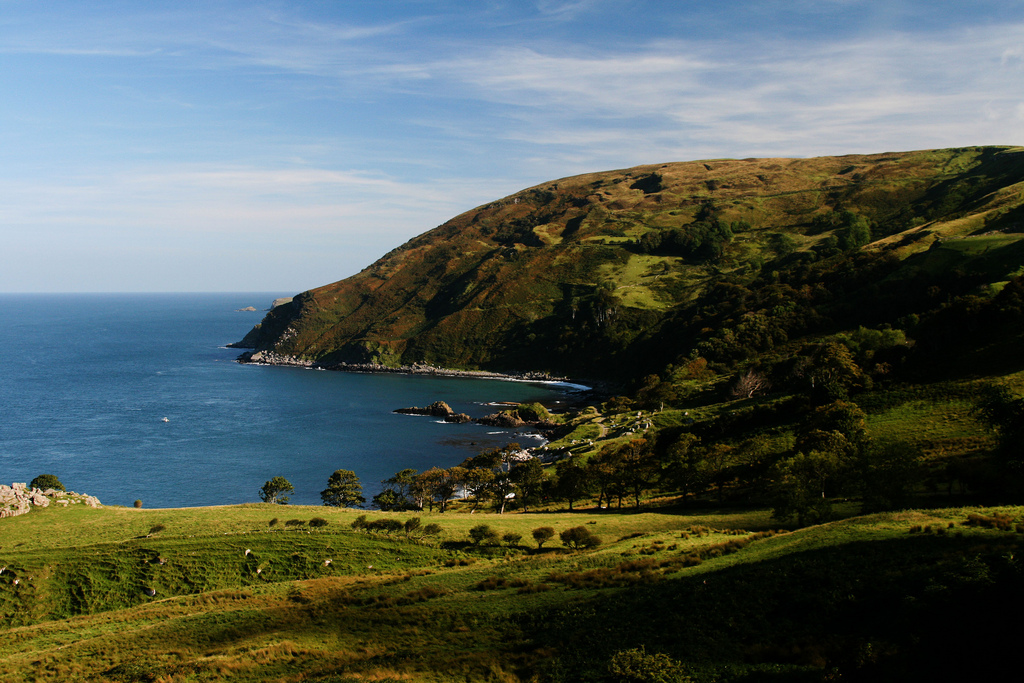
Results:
533 588
491 583
998 520
272 522
579 537
138 503
431 529
412 524
359 523
318 522
46 481
156 528
542 535
512 538
295 522
385 526
483 534
636 666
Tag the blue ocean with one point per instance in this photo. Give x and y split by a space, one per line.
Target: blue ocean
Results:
86 382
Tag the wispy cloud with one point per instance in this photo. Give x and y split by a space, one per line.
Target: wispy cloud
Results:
329 126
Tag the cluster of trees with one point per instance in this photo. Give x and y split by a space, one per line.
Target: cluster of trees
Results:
343 490
699 241
831 456
496 476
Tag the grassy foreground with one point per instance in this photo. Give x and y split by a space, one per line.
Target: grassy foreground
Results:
208 594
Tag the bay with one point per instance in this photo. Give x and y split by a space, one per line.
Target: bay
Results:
86 381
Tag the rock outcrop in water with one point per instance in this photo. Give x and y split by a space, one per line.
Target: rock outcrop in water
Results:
18 499
437 409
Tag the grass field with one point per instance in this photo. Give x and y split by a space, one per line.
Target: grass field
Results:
238 599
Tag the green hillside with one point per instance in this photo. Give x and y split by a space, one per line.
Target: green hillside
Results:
619 274
665 597
793 334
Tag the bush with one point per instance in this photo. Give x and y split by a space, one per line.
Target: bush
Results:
412 524
138 503
46 481
483 534
579 537
387 526
431 529
156 528
295 522
359 523
636 666
512 538
318 522
272 522
542 535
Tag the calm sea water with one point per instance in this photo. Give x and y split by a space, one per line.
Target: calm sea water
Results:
86 380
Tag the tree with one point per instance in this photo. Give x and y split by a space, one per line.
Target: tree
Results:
750 383
343 490
604 469
579 537
1004 414
801 484
638 467
411 525
477 483
47 481
573 482
387 500
483 534
440 485
888 474
397 491
499 462
276 490
542 535
512 538
528 478
683 466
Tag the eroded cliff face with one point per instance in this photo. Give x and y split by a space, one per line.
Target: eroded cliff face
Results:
600 274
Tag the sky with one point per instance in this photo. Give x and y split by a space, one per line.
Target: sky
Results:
279 146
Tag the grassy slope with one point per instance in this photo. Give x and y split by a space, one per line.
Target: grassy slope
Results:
493 287
850 597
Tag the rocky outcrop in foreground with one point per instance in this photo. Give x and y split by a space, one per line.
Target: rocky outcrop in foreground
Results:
18 499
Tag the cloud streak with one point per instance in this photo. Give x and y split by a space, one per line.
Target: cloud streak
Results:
349 129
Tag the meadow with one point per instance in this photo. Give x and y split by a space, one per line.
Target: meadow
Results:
721 595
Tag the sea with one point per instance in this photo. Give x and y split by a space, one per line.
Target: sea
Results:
136 397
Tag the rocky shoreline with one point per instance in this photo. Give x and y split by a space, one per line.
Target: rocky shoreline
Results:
19 499
273 358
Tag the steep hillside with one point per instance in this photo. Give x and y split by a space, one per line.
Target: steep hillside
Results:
623 273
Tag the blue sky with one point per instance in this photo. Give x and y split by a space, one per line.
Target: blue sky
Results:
278 146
